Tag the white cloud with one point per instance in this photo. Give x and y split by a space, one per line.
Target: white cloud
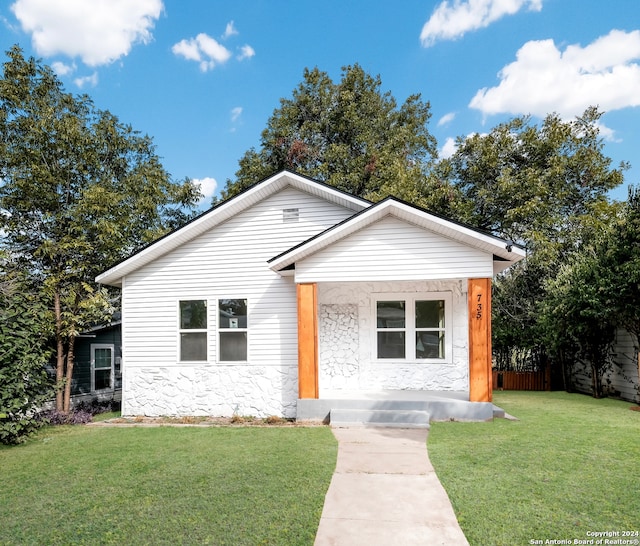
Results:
236 113
230 30
63 69
203 49
451 21
97 31
446 119
246 52
208 187
87 81
448 149
543 79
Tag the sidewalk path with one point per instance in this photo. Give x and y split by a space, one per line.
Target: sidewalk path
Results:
384 492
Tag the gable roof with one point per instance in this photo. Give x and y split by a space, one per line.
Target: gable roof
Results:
224 211
503 251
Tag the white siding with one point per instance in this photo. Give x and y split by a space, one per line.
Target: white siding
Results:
392 249
230 261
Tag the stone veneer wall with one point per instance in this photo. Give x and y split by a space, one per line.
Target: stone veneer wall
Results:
338 346
260 391
346 324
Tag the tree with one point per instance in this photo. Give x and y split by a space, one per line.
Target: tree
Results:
79 190
579 314
529 183
24 384
620 257
348 134
541 186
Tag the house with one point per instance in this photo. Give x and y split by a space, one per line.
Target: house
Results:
293 293
96 370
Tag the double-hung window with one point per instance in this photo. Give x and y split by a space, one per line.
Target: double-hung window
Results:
413 327
232 330
193 330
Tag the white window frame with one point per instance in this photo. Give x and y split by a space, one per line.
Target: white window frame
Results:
192 330
226 330
410 326
93 348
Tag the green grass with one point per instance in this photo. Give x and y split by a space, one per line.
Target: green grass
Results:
570 465
166 485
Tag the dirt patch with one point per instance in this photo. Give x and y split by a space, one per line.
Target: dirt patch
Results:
203 421
635 408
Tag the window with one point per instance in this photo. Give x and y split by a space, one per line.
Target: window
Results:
232 330
193 330
102 369
413 327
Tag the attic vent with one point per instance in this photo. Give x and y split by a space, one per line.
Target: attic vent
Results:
290 215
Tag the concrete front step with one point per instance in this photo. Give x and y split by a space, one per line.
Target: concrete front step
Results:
439 406
346 417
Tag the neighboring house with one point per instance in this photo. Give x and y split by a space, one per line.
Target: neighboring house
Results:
294 291
97 364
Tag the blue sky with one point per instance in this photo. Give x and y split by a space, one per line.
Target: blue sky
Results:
202 77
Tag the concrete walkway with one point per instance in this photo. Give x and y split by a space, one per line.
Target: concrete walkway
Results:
385 492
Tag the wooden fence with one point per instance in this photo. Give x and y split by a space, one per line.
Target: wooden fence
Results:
522 381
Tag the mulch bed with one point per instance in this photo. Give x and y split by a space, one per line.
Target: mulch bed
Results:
192 421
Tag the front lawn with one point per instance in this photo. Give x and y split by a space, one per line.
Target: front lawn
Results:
569 467
166 485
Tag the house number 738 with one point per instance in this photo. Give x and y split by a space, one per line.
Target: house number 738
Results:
479 307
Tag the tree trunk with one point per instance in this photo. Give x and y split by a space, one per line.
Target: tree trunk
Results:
59 352
595 381
69 374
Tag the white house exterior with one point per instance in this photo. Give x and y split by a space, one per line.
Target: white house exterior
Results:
295 290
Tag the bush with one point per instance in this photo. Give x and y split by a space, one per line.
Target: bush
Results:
81 414
24 385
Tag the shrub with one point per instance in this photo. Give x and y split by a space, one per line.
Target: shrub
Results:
24 385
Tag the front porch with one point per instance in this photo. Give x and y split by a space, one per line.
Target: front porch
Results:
399 408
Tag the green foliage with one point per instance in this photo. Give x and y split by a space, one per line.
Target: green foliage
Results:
79 191
620 254
545 187
529 183
348 134
578 315
24 384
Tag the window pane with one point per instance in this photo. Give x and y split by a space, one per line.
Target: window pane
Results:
232 313
233 346
391 314
430 314
102 379
391 345
429 344
102 358
193 315
193 346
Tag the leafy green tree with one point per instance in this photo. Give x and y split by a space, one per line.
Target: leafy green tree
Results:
24 385
530 183
620 257
79 190
546 187
349 134
579 314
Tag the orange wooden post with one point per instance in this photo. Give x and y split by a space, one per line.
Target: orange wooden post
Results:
307 341
479 299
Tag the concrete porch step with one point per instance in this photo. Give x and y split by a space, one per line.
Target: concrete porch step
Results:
344 417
